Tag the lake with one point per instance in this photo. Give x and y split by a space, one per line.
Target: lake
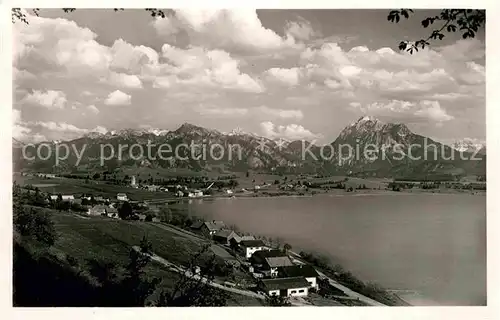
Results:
433 244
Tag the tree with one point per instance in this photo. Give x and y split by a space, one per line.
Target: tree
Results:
125 211
287 247
278 301
195 291
467 21
35 224
16 189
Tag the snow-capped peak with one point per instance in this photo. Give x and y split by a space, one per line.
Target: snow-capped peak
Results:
367 118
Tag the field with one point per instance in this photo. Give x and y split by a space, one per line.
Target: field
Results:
110 240
96 188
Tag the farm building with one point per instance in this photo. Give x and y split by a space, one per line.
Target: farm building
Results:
286 287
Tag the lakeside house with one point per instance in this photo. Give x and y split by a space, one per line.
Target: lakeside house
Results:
285 287
225 236
195 194
302 270
112 212
99 210
249 247
45 175
69 198
208 228
121 197
268 261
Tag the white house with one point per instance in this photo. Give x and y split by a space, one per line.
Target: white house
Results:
303 270
195 194
249 247
64 197
286 287
121 197
97 210
268 261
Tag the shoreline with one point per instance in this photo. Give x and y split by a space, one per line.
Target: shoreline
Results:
325 194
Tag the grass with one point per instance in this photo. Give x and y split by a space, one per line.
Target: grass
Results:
111 239
97 188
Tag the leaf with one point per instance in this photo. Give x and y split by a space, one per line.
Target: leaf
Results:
425 23
402 45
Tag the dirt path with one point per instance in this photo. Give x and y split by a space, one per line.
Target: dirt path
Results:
187 273
341 287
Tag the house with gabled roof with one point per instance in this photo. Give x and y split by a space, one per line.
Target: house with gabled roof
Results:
224 236
302 270
208 228
285 287
121 197
249 247
268 261
99 210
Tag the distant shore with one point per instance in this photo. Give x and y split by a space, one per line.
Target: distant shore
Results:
358 193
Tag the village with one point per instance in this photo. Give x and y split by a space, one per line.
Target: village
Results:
276 271
269 270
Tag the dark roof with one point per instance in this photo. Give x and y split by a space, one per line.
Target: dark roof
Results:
285 283
274 262
303 270
224 233
214 225
263 254
197 225
252 243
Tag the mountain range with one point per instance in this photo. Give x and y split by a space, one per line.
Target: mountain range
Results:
365 147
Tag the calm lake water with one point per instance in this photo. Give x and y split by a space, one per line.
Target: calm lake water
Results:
433 244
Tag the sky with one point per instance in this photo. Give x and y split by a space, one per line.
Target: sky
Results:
292 74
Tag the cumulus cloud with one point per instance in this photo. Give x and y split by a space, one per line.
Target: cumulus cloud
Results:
52 130
59 42
93 109
425 109
50 99
19 130
433 111
301 30
59 126
124 80
384 72
233 30
133 59
117 97
289 132
199 66
287 76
